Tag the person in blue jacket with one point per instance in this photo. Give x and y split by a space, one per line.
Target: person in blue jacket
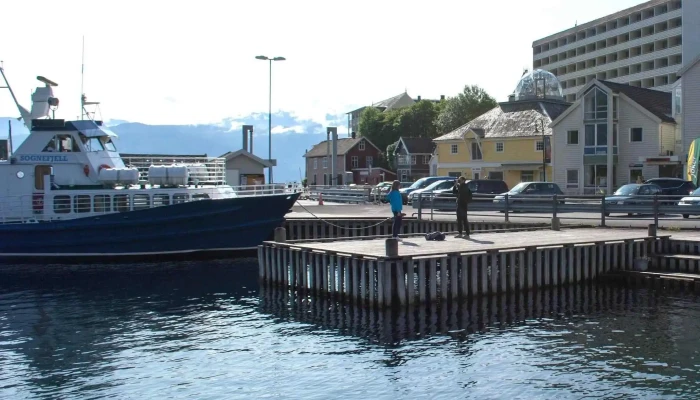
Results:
396 203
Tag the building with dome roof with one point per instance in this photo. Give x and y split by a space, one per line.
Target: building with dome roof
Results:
510 142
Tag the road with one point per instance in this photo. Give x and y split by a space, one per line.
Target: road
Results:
304 208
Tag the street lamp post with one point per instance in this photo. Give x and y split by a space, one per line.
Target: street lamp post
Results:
269 112
544 148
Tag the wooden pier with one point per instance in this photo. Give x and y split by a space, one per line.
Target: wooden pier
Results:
674 265
426 271
349 227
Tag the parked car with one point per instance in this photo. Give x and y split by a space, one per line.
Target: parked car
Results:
437 185
675 187
484 187
692 200
420 184
526 191
633 194
381 190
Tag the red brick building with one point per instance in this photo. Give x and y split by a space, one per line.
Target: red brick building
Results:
354 155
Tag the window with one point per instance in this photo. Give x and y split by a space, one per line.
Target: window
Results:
81 203
636 175
61 143
454 174
678 102
404 175
596 139
527 176
179 198
325 162
102 203
161 200
615 107
368 162
499 147
355 161
93 144
454 149
413 160
636 135
122 203
362 145
572 178
496 175
572 137
476 151
61 204
595 104
597 176
539 145
426 160
315 163
142 201
109 145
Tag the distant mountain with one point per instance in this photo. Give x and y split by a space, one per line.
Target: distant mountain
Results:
291 137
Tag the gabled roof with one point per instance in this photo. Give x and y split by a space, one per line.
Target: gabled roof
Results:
398 101
510 120
229 155
344 145
688 66
417 145
655 101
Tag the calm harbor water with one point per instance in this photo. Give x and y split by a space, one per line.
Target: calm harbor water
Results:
207 331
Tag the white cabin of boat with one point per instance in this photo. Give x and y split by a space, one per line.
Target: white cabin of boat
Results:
72 169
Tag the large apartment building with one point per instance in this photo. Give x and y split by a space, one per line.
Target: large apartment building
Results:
643 46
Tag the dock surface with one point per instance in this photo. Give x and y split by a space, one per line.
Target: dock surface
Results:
417 246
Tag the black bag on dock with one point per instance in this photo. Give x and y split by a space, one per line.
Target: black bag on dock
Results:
438 236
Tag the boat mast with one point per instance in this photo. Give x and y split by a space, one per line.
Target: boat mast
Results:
24 114
82 79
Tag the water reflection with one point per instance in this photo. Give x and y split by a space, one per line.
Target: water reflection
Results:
205 330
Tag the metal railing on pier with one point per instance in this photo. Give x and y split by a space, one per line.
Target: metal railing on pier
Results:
557 206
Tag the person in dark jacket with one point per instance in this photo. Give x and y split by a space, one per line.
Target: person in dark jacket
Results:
464 197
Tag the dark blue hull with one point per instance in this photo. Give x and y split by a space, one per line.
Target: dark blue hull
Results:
177 231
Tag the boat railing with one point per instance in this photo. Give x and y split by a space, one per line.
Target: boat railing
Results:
202 170
21 209
260 190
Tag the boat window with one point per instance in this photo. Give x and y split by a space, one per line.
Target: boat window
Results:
122 203
102 203
62 143
161 200
142 201
81 203
109 144
200 196
180 198
92 144
61 204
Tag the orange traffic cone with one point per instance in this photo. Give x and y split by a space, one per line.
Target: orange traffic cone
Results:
320 199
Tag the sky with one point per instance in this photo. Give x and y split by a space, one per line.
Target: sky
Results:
193 62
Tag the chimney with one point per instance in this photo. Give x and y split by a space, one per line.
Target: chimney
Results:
248 130
353 134
442 97
245 137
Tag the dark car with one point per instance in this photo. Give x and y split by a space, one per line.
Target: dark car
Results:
520 193
675 188
421 184
633 194
487 188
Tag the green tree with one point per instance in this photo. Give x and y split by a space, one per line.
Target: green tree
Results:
457 111
390 149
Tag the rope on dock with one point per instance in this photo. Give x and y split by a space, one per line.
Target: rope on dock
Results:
338 226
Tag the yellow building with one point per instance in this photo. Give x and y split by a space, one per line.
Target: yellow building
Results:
511 142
